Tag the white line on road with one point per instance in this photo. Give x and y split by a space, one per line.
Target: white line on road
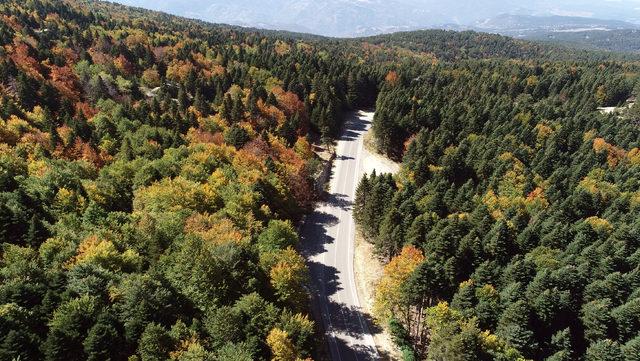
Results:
349 151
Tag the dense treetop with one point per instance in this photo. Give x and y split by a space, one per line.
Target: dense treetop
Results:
618 40
152 169
512 229
460 45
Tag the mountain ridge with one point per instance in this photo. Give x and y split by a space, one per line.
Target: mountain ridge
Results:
353 18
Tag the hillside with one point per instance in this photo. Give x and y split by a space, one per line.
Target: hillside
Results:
511 231
354 18
449 45
622 40
151 171
521 25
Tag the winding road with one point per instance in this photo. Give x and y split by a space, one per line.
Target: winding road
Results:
328 241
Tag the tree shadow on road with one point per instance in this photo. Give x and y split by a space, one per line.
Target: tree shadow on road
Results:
314 235
360 352
351 321
324 279
339 319
353 128
344 157
339 200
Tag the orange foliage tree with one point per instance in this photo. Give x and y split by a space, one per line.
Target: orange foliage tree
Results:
179 69
65 81
19 53
392 78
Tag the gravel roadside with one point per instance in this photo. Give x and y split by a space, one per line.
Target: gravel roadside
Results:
367 267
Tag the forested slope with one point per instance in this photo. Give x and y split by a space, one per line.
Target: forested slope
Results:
512 229
449 45
151 169
609 40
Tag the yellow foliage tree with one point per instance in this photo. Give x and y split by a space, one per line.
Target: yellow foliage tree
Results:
303 148
281 346
67 201
214 229
179 69
388 290
151 78
288 275
614 154
104 253
600 225
173 195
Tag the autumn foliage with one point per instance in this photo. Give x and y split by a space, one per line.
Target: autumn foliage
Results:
151 173
388 299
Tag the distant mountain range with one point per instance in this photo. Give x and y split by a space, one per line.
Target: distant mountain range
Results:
587 33
352 18
523 25
612 25
625 40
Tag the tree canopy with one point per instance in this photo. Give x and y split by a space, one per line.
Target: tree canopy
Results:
153 169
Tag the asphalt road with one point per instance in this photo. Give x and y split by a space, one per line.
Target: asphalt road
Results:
328 244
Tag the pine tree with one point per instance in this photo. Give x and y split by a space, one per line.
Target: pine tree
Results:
360 201
183 99
498 242
252 107
54 137
200 103
352 91
49 97
32 237
604 350
271 100
236 136
155 343
561 344
288 131
631 349
391 234
227 106
237 110
19 344
597 320
26 91
103 341
126 150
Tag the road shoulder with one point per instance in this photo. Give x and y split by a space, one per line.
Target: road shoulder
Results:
367 267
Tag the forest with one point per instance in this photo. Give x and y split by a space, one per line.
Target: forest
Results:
512 230
618 40
153 170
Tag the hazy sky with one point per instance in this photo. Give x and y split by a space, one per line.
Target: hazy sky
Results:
354 17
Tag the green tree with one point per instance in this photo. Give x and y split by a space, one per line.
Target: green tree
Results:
631 349
597 319
103 341
236 136
155 343
604 350
68 328
235 352
277 236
